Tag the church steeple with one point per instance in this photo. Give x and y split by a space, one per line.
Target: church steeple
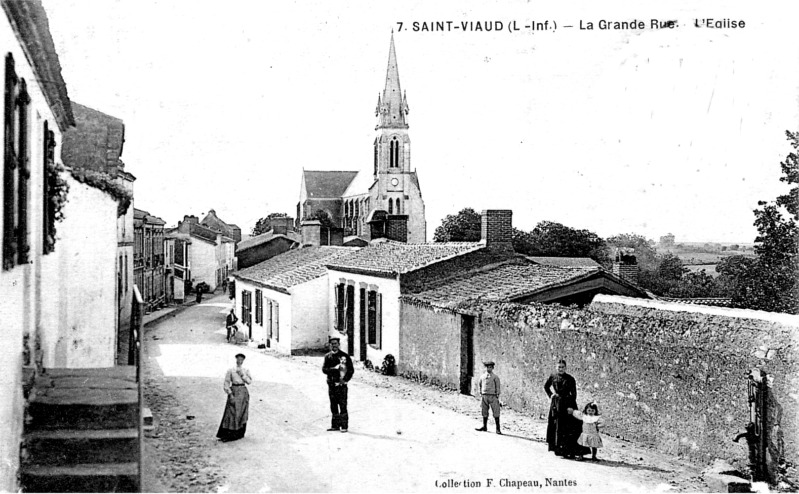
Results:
392 108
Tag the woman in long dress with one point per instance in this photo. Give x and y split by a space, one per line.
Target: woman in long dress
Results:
563 430
234 421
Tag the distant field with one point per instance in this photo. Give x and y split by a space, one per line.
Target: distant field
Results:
693 258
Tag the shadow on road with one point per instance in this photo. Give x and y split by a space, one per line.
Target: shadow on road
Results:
531 439
621 464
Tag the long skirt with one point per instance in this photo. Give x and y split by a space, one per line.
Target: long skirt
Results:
234 421
563 431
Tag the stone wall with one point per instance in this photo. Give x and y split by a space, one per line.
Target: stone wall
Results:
430 345
670 376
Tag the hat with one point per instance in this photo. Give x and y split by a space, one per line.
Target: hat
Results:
488 362
334 338
240 355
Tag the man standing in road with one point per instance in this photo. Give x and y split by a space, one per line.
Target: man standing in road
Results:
489 394
338 368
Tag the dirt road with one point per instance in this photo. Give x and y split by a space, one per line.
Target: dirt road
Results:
403 437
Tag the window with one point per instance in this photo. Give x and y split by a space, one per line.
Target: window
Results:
374 319
375 146
339 293
259 308
246 307
51 182
271 318
399 209
16 171
394 153
127 278
390 206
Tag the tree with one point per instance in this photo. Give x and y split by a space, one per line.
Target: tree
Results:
264 224
667 241
549 238
769 282
644 252
670 267
462 227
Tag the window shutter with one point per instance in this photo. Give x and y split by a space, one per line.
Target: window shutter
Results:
277 321
379 320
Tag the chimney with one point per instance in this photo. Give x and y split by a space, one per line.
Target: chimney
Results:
397 227
626 267
497 229
311 232
281 226
190 219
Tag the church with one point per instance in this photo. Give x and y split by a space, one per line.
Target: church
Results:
367 205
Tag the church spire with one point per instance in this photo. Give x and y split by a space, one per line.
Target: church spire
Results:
393 108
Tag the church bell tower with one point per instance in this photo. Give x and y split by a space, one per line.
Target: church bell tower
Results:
392 146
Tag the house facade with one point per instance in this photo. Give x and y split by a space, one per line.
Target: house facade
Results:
148 255
94 148
211 255
181 264
360 202
283 302
35 117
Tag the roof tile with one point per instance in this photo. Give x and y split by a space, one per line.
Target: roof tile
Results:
294 267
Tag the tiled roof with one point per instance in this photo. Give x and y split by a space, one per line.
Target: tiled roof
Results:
294 267
566 262
29 21
327 184
502 282
392 258
266 238
95 143
202 232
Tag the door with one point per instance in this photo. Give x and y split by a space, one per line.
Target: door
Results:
350 320
362 339
467 353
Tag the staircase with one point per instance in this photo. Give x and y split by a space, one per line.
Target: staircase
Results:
83 432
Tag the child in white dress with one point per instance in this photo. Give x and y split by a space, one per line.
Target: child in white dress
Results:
592 421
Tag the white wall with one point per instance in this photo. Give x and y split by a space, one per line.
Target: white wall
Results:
80 327
309 303
390 290
283 343
203 262
21 288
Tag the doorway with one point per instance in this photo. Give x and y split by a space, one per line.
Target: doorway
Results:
350 320
467 353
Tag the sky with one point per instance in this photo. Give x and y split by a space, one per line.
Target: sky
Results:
648 131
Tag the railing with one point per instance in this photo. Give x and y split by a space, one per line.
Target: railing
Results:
134 358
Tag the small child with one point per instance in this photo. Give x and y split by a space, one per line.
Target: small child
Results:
592 421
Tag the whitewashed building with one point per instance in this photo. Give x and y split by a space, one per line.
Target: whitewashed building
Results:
283 301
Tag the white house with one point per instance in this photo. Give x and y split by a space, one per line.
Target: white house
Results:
283 301
211 254
364 289
41 113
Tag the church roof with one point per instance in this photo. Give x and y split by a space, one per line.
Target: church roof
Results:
360 184
327 184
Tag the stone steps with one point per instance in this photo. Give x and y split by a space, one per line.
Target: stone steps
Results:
82 432
79 446
105 477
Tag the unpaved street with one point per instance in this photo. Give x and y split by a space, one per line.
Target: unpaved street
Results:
403 436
